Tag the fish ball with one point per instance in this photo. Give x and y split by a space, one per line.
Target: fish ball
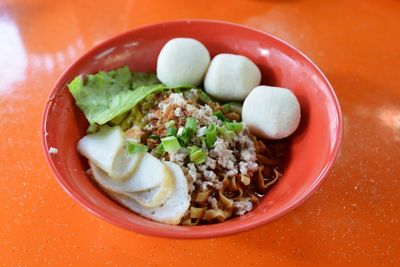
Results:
231 77
182 61
271 112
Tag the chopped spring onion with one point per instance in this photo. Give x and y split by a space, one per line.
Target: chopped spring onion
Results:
172 131
184 139
180 131
191 149
133 147
188 131
191 125
225 133
234 126
227 107
233 107
228 135
197 155
211 135
219 115
171 144
159 150
181 88
203 96
169 124
203 141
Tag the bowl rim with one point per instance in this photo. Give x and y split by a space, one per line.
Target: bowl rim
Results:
97 211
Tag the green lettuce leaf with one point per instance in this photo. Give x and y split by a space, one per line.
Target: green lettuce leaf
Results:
105 95
143 79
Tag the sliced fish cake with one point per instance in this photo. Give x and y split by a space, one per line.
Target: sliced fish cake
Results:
149 174
102 147
157 196
125 164
174 208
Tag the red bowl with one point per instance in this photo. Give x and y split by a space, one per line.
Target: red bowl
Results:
313 148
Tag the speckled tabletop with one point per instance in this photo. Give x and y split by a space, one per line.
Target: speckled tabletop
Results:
352 219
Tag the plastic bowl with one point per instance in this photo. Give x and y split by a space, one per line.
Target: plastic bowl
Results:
313 148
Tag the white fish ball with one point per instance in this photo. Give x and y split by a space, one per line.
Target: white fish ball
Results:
182 61
271 112
231 77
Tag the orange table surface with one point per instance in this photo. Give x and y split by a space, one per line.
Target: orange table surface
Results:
351 220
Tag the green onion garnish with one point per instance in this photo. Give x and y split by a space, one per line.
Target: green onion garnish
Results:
228 135
169 124
203 141
227 107
197 155
233 106
191 125
225 133
234 126
211 135
219 115
203 96
133 147
188 131
184 139
180 131
171 131
171 144
159 150
191 149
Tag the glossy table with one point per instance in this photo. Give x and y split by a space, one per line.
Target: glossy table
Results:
352 220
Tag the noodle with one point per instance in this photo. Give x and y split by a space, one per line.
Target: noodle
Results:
218 214
261 159
190 222
226 191
202 196
225 201
236 188
262 184
196 213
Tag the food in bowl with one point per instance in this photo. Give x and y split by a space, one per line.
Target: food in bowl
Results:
170 152
182 61
231 77
278 112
